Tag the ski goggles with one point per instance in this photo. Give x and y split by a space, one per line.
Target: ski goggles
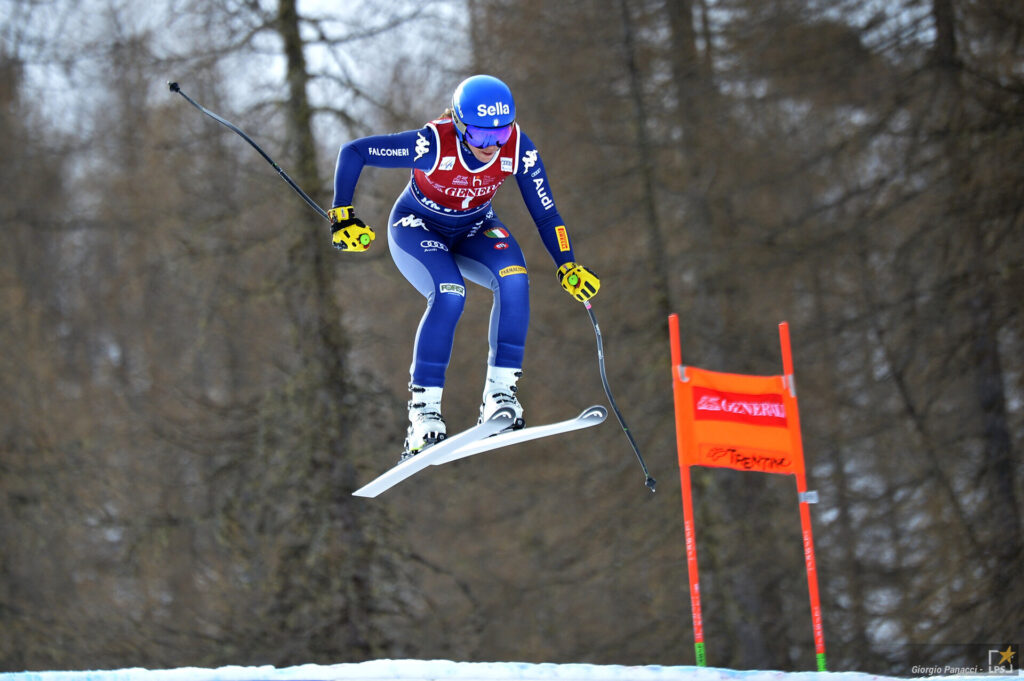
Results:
487 137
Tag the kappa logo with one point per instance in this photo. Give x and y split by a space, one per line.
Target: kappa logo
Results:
529 160
447 163
430 245
422 146
410 221
454 289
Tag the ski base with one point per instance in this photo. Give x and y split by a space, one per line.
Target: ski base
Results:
478 439
591 416
499 421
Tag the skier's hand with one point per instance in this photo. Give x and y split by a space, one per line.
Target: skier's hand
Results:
578 281
349 233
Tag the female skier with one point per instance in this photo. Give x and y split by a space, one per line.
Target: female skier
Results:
443 230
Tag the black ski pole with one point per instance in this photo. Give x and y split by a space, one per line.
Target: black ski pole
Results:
608 391
174 88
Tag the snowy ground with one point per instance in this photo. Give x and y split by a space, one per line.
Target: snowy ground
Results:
417 670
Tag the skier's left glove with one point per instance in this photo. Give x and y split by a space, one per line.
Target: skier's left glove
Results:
578 281
349 233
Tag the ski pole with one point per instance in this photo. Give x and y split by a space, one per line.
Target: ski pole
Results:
608 391
174 88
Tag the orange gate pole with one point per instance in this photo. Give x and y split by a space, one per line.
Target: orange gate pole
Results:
804 498
684 479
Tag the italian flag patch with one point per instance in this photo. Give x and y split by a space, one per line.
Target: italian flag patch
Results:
497 233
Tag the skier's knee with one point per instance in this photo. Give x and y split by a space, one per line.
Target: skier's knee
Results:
514 290
450 300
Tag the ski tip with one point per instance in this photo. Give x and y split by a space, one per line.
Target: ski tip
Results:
597 412
368 491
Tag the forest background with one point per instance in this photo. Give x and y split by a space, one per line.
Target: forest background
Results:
193 381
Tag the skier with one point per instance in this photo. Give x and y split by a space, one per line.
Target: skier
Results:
444 230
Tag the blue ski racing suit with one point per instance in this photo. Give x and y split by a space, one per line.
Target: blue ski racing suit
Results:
443 231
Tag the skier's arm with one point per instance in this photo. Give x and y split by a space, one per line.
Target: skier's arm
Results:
580 282
409 149
536 191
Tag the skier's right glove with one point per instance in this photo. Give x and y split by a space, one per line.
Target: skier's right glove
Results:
349 233
578 281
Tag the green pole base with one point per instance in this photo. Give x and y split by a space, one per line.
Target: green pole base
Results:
821 662
702 660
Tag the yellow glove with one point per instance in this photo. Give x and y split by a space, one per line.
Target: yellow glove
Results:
581 283
349 233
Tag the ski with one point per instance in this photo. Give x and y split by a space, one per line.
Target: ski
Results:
591 416
499 421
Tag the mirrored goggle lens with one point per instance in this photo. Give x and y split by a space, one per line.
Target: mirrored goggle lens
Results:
488 137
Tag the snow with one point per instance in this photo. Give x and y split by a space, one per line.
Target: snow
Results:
434 670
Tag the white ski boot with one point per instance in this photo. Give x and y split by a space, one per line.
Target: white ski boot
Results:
426 425
499 392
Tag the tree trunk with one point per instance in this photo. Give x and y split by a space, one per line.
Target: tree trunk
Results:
322 342
969 225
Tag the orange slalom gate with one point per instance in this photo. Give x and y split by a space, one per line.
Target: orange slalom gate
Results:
746 423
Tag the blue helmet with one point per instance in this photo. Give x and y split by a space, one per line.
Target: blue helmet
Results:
482 102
